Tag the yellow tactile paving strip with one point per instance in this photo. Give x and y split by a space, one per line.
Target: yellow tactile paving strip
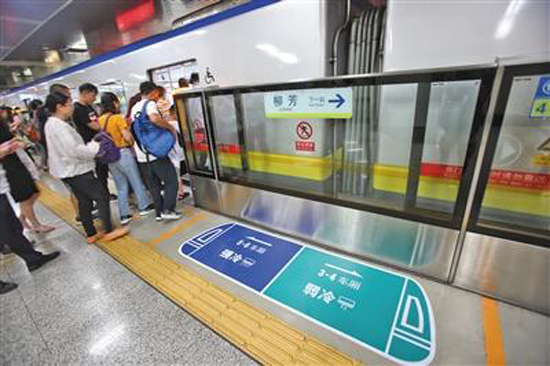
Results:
253 330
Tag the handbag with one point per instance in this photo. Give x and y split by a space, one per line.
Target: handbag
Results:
108 152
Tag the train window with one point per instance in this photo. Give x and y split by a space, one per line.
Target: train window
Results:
168 75
518 190
116 87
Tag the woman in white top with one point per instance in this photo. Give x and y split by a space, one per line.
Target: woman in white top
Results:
71 160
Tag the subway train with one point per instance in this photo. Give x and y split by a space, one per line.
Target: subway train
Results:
269 42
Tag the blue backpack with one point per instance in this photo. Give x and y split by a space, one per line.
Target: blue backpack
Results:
151 139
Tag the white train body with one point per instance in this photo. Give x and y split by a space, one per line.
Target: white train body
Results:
289 39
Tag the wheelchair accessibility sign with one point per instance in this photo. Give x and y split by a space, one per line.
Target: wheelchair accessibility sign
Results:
541 102
385 312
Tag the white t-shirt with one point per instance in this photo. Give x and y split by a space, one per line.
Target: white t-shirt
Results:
151 109
176 154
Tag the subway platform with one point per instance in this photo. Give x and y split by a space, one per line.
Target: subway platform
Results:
141 300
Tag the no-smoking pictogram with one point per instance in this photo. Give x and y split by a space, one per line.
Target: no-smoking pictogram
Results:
304 130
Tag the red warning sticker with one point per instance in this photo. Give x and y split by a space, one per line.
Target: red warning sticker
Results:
305 146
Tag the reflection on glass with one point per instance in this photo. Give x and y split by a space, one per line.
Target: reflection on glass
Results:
518 191
363 159
377 144
449 123
227 137
197 134
116 88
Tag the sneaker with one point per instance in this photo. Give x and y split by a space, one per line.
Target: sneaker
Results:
116 233
149 209
125 220
45 259
96 237
158 218
171 215
6 287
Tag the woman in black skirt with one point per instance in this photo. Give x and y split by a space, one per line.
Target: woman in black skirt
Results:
22 187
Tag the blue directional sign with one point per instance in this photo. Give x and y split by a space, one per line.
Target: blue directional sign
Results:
248 256
541 101
386 312
335 103
339 100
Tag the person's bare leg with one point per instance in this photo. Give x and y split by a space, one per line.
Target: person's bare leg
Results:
27 210
24 222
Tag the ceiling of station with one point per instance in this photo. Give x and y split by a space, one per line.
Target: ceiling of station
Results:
19 19
40 37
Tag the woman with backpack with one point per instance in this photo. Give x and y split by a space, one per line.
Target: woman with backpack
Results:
73 161
124 171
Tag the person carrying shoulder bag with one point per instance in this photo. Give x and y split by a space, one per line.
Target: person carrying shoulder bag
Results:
73 161
125 170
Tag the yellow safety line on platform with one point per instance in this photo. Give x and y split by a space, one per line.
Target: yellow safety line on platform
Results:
253 330
196 217
494 345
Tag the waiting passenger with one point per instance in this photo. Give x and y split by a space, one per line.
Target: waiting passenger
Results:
164 101
176 155
125 171
63 89
159 171
183 83
134 99
71 160
86 120
194 80
40 116
11 230
20 178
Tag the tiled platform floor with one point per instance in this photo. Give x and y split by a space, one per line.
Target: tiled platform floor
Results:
85 308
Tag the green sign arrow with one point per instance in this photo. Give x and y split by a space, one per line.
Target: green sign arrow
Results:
384 311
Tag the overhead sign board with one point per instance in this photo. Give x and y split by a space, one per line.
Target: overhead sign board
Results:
333 103
386 312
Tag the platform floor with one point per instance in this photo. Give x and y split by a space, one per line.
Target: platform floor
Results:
87 308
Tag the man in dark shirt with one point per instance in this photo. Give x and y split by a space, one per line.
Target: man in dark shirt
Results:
86 121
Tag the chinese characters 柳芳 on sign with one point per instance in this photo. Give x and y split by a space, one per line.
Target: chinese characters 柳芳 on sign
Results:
336 103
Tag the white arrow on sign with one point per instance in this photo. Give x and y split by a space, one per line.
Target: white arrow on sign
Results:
259 241
353 273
